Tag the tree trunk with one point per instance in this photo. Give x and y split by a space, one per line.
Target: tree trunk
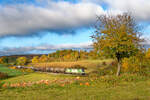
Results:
119 68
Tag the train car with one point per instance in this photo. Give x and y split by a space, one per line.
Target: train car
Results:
62 70
48 69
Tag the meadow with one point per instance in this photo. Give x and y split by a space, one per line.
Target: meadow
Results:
11 72
125 87
52 86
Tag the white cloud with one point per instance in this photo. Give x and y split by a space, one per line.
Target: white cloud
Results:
139 8
42 48
93 1
20 19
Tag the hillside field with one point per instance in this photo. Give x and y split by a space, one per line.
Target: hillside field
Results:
89 65
51 86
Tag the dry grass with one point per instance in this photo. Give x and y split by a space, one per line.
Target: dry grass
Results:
89 64
84 63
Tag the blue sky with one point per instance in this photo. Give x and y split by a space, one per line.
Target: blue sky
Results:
43 26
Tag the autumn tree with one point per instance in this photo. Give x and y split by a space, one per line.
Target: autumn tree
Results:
1 60
4 60
147 55
93 54
117 36
43 58
35 59
21 61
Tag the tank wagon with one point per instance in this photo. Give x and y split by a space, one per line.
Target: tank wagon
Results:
80 71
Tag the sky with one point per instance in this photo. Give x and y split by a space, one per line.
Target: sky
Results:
43 26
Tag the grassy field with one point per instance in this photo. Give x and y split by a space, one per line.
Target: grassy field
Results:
89 64
84 63
72 87
125 87
10 72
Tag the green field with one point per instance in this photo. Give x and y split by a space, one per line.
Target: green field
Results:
124 87
103 88
10 72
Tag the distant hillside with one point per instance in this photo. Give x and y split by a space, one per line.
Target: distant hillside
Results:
27 55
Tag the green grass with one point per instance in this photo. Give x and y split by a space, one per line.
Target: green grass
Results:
125 87
10 72
36 77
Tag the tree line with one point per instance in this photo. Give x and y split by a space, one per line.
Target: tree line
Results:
59 55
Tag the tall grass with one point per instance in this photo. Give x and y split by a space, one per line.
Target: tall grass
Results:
85 63
90 65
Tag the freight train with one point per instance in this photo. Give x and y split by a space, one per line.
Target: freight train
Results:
80 71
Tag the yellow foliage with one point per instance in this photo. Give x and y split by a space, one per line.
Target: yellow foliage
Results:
1 60
125 64
131 64
35 59
147 55
43 58
13 67
21 60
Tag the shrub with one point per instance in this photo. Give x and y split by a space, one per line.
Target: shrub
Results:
147 55
110 70
27 70
107 70
132 64
13 67
135 64
94 74
125 64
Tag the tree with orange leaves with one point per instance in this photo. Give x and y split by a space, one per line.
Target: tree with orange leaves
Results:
117 36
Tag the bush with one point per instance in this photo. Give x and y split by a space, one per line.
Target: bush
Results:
132 64
106 70
13 67
109 70
3 75
136 65
94 74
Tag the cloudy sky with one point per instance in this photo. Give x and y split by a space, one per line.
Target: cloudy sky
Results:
43 26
